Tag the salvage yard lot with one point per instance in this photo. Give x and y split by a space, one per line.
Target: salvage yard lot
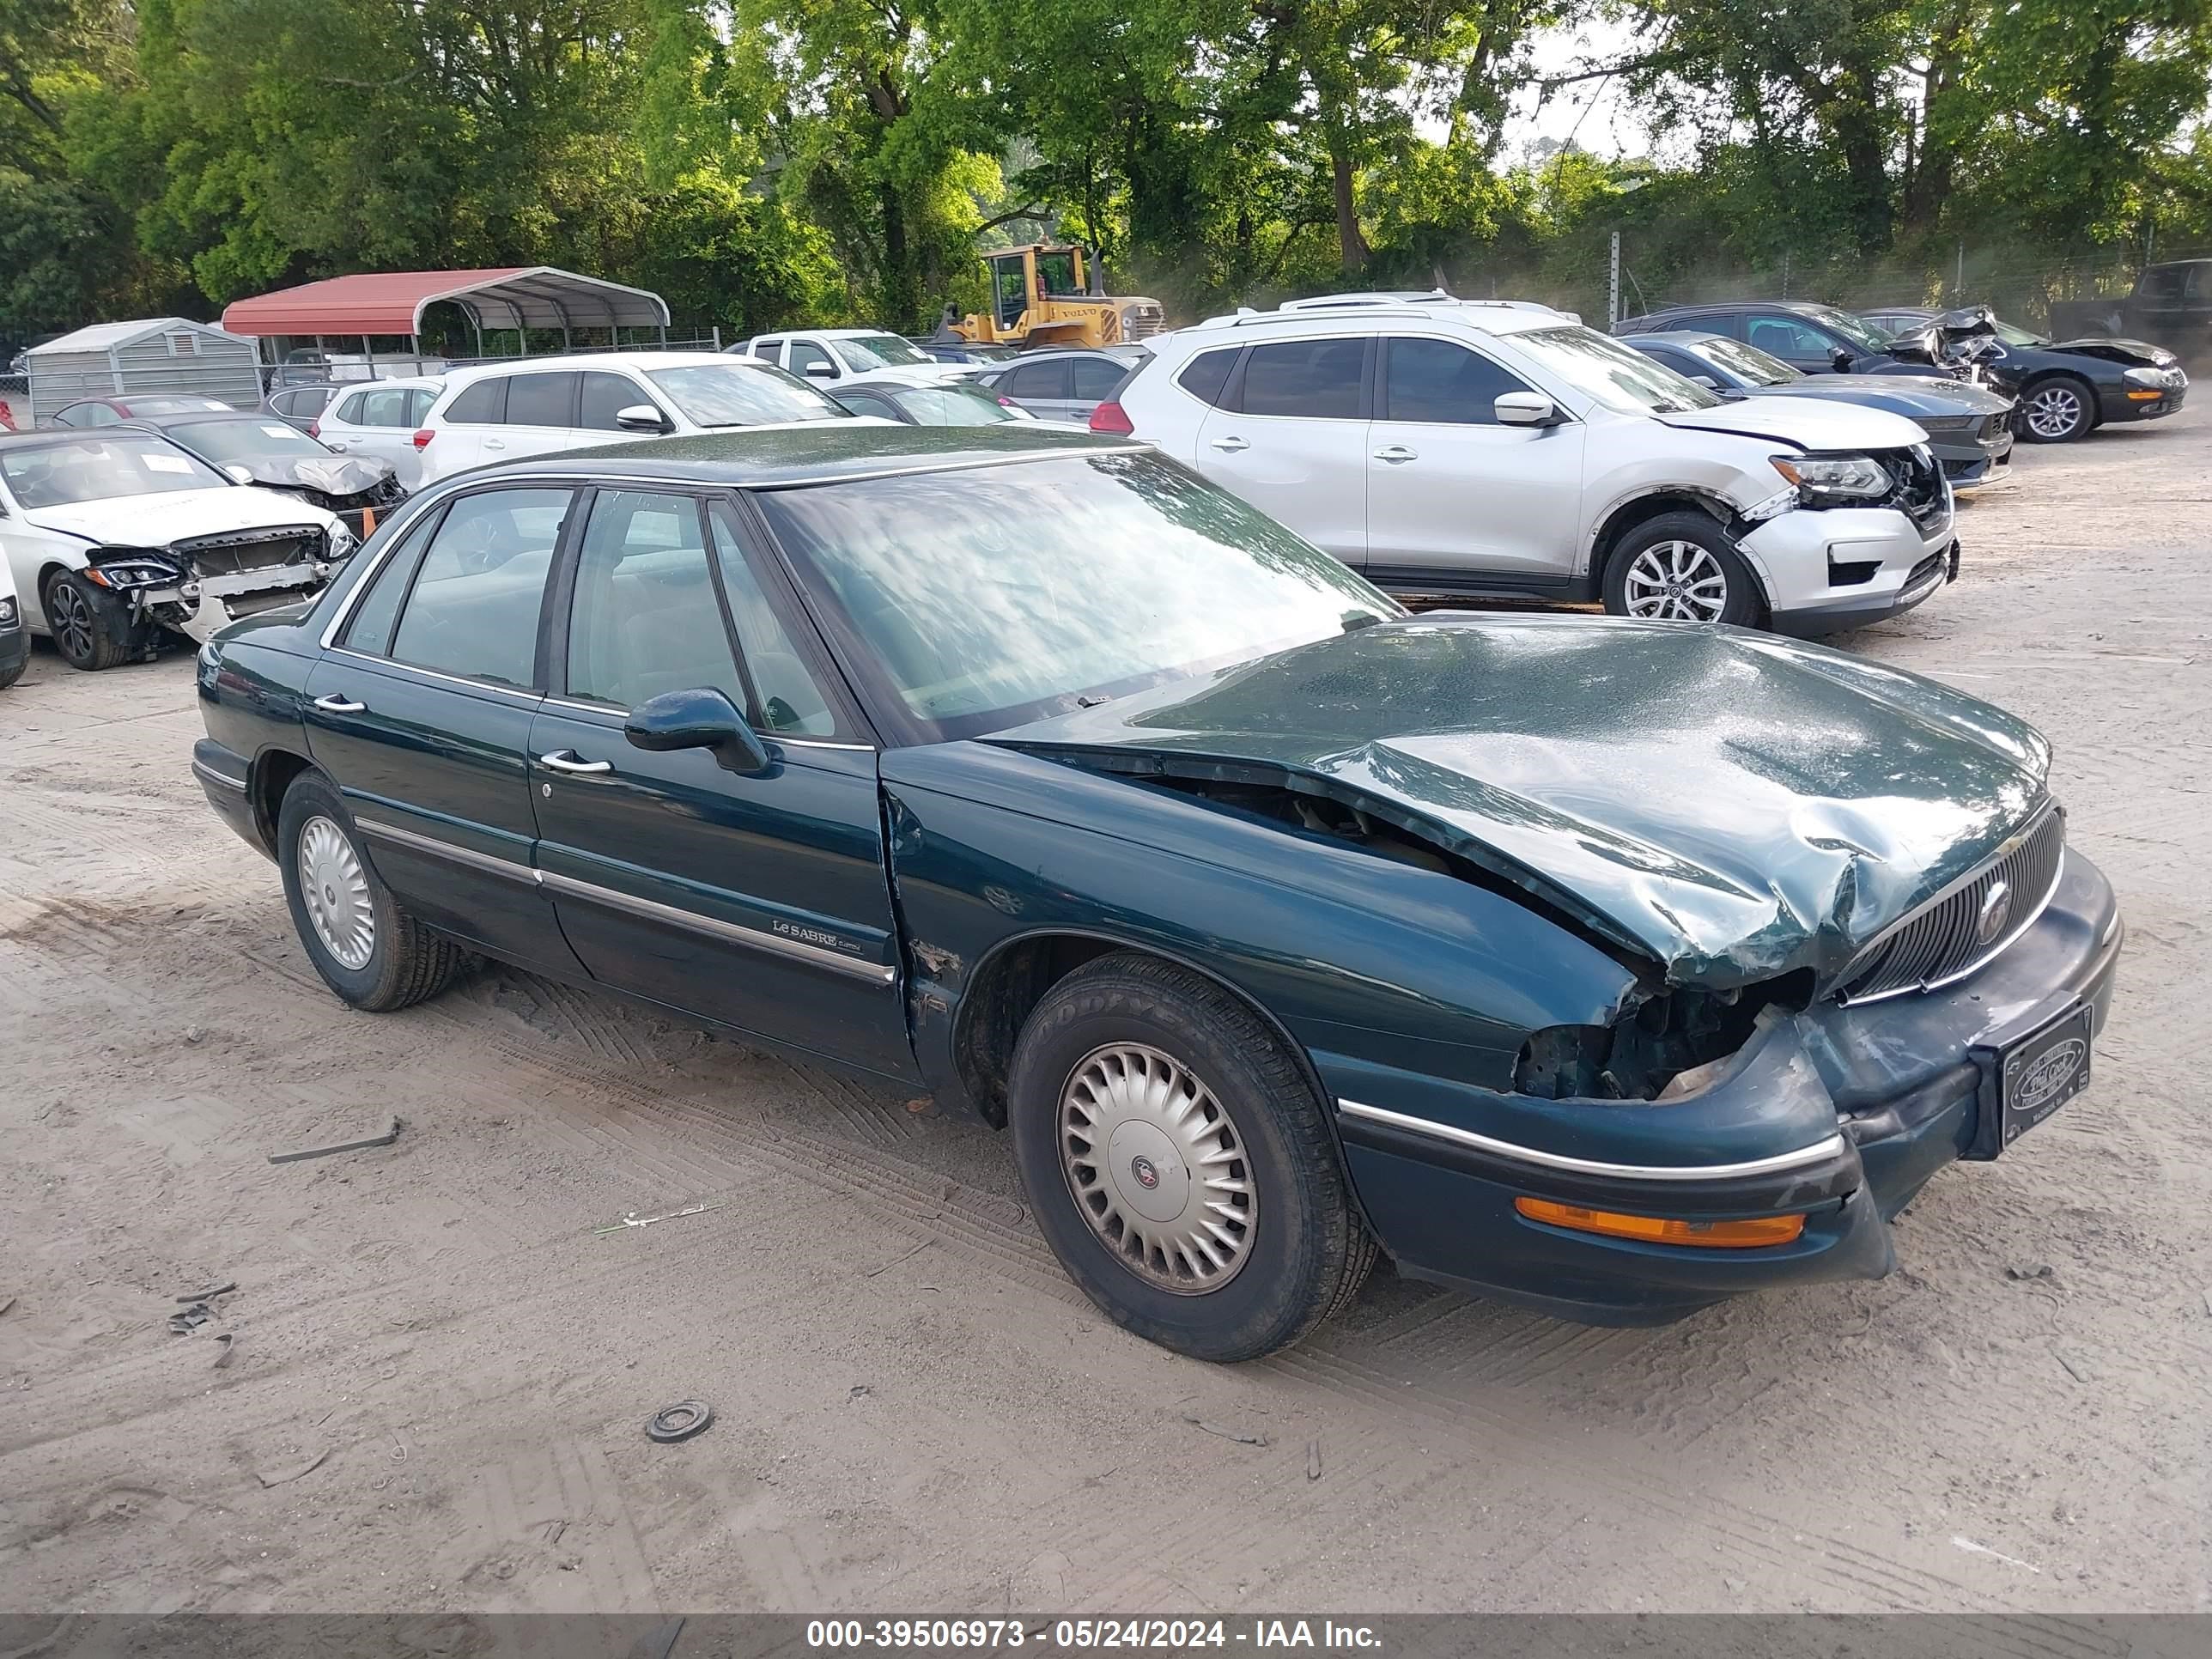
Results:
435 1396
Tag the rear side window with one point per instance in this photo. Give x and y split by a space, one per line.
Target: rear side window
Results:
483 403
1438 382
370 630
542 400
387 407
1096 377
351 410
1318 379
473 609
1205 376
418 405
771 349
1037 380
606 396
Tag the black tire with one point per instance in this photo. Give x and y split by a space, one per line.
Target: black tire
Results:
1305 1252
2054 391
405 961
90 626
1743 601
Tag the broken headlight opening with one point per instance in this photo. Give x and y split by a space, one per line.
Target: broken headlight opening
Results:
1836 480
1662 1046
127 570
9 615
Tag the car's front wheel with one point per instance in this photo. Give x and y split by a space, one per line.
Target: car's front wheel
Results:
1179 1163
91 627
1682 567
363 942
2058 410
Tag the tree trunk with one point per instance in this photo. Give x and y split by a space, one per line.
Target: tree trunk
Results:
1350 241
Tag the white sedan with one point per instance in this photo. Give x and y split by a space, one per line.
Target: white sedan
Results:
118 537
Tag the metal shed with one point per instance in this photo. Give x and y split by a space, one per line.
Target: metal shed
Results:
159 354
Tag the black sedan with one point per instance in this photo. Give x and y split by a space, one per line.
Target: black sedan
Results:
1608 966
1813 339
2066 388
262 449
1969 428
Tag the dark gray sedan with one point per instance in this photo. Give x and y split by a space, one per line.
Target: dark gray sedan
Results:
1969 426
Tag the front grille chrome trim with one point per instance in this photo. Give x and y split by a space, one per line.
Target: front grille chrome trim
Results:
1932 947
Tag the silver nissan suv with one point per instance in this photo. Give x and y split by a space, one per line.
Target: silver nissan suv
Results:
1459 448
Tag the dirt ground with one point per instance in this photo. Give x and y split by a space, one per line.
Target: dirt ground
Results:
440 1371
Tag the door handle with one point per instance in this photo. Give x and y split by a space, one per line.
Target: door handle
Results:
566 760
494 443
1396 453
338 704
1231 446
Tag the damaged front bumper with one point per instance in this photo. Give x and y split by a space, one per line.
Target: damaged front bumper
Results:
197 607
1841 1114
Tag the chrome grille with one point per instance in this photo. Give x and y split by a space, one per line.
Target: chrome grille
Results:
1946 939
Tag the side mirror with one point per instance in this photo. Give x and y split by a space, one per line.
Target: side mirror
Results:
1706 381
818 370
702 719
641 417
1527 409
1841 360
238 474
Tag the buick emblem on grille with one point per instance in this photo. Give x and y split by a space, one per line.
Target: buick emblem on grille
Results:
1996 910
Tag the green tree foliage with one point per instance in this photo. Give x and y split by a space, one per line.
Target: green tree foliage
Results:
761 161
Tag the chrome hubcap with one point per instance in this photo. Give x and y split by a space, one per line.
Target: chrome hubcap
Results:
2053 411
1676 581
336 890
72 621
1158 1169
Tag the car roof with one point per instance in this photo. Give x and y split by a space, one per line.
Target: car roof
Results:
641 360
1044 353
404 383
1684 336
773 458
828 333
1361 316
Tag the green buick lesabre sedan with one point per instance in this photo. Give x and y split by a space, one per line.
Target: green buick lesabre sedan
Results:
1610 967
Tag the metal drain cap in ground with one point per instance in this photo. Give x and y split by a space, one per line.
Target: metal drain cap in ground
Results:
679 1421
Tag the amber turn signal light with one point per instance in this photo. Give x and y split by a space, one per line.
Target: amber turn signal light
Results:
1658 1230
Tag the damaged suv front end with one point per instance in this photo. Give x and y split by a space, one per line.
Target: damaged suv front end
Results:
1695 956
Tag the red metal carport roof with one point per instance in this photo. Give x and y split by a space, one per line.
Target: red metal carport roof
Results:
392 302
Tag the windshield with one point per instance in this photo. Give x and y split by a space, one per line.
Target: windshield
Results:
986 598
1747 363
245 440
1859 331
955 405
2014 334
1619 377
100 470
869 351
734 394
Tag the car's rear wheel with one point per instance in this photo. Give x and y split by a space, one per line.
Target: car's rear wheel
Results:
363 942
1179 1163
1682 567
91 627
2058 410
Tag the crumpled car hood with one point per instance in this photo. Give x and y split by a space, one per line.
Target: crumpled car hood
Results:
1806 422
332 475
2140 353
1728 805
157 520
